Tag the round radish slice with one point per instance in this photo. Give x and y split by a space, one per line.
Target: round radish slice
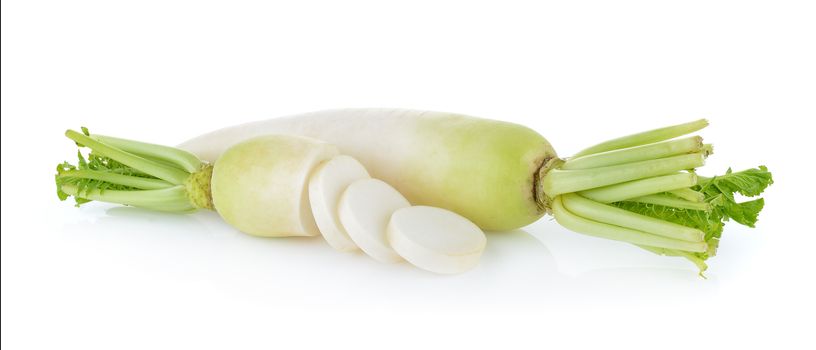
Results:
365 208
325 187
436 239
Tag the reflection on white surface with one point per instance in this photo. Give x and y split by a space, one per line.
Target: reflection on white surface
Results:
117 270
542 264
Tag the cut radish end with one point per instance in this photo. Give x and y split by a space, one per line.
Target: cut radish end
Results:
365 208
436 239
326 185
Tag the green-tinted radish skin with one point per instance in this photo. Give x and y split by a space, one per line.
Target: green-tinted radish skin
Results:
259 186
479 168
483 170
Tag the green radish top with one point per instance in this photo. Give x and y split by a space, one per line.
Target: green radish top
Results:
643 189
134 173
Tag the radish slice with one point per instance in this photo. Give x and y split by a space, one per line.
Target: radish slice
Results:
325 187
436 239
365 208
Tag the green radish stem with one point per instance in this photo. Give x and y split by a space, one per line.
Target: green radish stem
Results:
638 188
664 149
688 194
615 216
119 179
172 199
644 138
669 201
700 263
170 174
558 181
169 155
598 229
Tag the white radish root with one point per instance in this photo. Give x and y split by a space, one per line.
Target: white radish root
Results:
364 209
326 185
436 239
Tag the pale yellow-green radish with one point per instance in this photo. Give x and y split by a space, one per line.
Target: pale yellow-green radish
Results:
485 170
260 186
436 239
326 184
364 209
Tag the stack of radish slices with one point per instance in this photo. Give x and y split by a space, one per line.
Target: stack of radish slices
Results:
354 211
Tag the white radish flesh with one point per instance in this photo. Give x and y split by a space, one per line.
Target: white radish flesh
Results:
482 169
365 208
326 185
259 186
436 239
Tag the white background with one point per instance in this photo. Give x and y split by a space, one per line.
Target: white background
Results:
105 277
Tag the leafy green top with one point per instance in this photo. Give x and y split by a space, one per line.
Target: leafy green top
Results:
719 194
130 173
66 175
